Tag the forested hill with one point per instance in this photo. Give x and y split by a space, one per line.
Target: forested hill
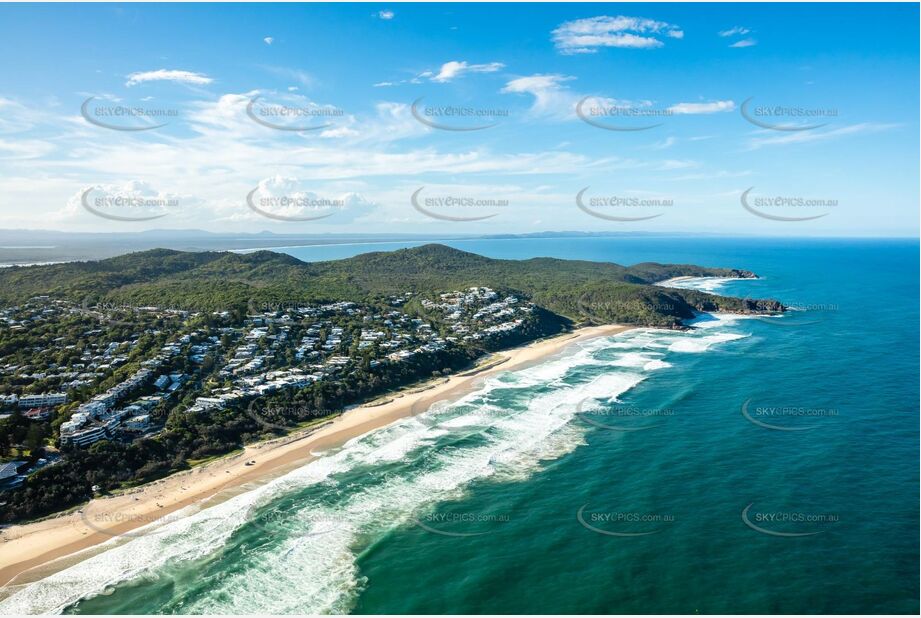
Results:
580 290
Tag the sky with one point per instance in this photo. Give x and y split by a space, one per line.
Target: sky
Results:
754 119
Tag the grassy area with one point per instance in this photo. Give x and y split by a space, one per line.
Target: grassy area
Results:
316 421
16 453
197 462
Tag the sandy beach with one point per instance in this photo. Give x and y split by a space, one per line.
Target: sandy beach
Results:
32 551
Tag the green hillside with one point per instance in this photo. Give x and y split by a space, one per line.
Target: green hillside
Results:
579 290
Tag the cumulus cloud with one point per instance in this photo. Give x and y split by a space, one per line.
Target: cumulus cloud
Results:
551 97
290 198
455 68
225 154
123 202
709 107
385 15
585 36
168 75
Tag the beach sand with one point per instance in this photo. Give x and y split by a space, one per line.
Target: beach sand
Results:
33 551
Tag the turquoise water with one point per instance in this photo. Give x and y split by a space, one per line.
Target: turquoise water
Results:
609 479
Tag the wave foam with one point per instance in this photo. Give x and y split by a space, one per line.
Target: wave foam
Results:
372 485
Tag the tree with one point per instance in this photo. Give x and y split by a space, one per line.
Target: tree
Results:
35 439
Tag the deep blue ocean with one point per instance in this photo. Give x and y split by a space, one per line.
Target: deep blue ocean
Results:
757 465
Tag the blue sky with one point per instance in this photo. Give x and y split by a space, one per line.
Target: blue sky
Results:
828 138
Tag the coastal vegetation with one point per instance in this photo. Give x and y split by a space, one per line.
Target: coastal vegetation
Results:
212 281
252 346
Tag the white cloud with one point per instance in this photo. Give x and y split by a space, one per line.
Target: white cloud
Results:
385 15
677 164
585 36
24 149
297 75
447 72
339 132
293 198
815 135
668 142
745 43
269 40
223 156
15 117
454 68
551 98
715 175
537 83
702 108
132 199
735 30
169 75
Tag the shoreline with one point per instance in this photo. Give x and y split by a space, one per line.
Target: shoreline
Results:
32 551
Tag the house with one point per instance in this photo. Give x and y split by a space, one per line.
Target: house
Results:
9 477
84 437
45 400
38 414
141 422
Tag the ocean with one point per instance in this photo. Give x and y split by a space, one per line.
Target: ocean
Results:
751 465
